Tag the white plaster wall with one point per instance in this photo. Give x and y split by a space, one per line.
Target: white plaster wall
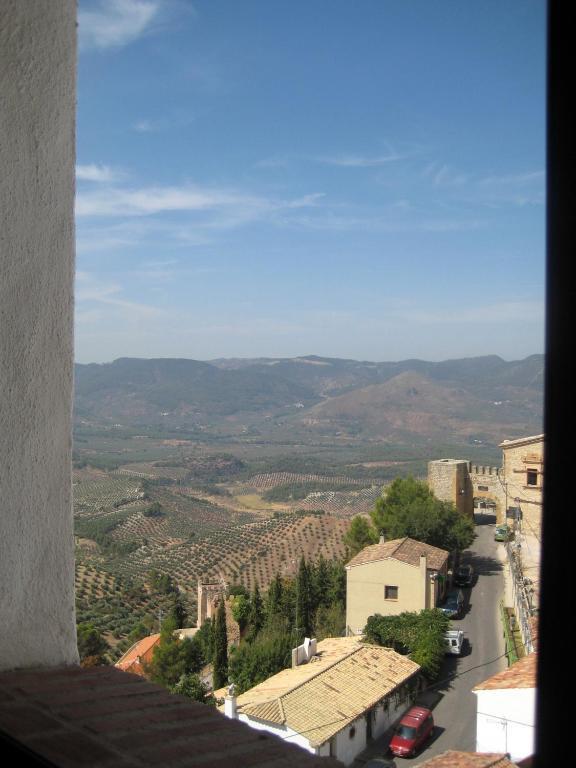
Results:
287 734
386 717
37 148
347 748
505 721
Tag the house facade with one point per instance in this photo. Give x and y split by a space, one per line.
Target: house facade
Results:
506 710
334 701
392 577
523 477
518 483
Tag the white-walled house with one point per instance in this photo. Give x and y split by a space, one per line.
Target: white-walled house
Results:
341 694
506 710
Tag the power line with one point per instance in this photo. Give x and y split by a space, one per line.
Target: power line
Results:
506 719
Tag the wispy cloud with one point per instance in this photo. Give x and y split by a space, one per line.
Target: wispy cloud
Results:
99 173
492 191
234 207
277 161
114 23
386 222
146 126
515 179
361 161
90 288
506 311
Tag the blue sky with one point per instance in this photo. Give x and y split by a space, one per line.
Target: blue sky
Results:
280 178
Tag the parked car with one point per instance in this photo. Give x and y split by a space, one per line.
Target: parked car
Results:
464 576
454 640
453 604
412 732
380 762
503 533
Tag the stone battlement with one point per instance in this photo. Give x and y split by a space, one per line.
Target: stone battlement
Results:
478 469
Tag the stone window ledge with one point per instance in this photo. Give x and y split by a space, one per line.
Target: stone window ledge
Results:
105 718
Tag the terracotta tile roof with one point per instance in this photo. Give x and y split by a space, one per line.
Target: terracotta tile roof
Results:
522 674
322 697
455 759
521 441
142 649
407 550
102 717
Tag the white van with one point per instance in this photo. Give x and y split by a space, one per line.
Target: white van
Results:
454 640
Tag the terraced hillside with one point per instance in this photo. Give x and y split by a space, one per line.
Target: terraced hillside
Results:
342 504
274 479
128 525
243 554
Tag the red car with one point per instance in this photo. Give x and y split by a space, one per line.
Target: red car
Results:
412 732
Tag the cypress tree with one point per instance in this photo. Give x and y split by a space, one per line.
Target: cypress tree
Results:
220 660
274 600
321 580
303 600
256 616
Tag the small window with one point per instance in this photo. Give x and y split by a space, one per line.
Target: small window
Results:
352 732
390 593
531 477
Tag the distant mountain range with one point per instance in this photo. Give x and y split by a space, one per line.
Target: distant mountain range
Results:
484 398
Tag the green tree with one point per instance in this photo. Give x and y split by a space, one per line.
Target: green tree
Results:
304 600
191 686
257 616
359 535
178 612
330 621
173 658
205 639
420 635
241 607
409 508
320 576
337 593
252 663
288 601
154 510
220 659
162 583
92 646
274 600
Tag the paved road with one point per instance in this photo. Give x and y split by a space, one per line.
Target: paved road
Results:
453 702
455 710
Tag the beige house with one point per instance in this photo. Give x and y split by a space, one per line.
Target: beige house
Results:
523 478
392 577
339 695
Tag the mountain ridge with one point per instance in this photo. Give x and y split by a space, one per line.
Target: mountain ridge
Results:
485 396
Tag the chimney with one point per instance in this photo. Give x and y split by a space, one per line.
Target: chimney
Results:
230 703
304 653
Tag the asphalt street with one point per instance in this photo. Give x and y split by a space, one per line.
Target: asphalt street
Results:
455 704
452 700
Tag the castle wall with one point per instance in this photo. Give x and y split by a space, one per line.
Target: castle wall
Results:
449 479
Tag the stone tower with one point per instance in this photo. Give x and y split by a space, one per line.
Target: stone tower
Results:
449 480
